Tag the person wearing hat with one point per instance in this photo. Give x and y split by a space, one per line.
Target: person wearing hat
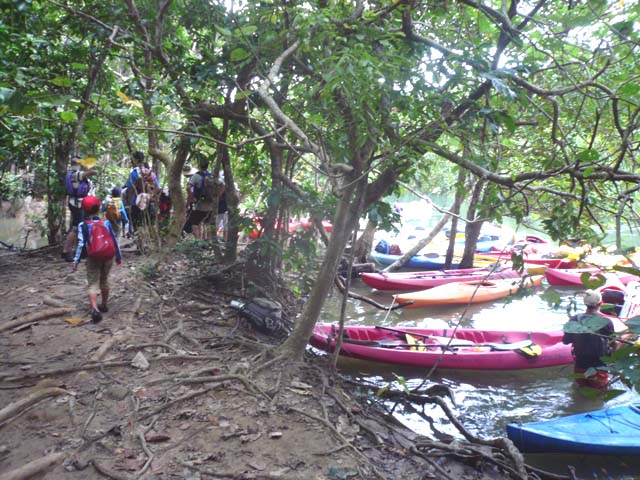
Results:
588 349
98 269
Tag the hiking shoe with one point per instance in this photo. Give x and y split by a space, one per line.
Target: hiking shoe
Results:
96 316
103 308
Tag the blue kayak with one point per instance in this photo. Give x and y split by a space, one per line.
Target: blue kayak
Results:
423 262
613 431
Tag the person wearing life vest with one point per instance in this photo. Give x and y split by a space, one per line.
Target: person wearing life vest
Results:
98 241
589 348
114 211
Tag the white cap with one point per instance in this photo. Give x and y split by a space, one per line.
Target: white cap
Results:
592 298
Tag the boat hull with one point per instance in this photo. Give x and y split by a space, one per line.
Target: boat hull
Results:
472 357
462 293
535 259
431 278
423 262
614 431
571 277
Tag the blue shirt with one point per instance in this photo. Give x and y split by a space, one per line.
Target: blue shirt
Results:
81 240
133 178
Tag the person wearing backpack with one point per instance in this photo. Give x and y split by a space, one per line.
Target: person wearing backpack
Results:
142 190
201 194
96 240
77 186
115 212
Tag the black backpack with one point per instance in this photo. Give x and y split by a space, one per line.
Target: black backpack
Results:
264 315
205 191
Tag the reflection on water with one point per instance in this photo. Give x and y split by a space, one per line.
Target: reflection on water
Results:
486 401
13 231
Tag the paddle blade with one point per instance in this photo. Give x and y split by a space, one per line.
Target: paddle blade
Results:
530 351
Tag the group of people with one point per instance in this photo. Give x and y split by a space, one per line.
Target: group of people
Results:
140 201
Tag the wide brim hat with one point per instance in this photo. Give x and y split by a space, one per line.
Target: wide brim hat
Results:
188 170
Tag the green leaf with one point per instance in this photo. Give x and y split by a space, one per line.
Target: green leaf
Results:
239 54
83 67
592 281
633 324
223 31
629 90
62 82
69 117
587 324
588 155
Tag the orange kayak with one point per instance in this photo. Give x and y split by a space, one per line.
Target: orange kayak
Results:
462 293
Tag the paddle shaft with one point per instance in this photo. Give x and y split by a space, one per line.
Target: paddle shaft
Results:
496 346
375 343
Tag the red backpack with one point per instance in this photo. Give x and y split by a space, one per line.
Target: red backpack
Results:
100 244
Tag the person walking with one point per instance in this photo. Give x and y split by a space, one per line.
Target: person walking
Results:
589 348
200 193
77 186
142 190
98 241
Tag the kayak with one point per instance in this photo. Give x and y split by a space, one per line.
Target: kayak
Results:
612 431
423 262
432 278
461 293
573 276
467 349
551 262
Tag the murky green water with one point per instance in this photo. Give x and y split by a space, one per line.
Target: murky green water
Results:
486 401
13 232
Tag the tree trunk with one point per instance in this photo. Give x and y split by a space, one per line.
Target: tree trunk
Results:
347 212
364 243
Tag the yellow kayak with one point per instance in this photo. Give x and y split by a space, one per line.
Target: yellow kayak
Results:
462 293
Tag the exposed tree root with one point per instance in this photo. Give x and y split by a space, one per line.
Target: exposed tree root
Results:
16 407
34 317
34 467
97 366
344 443
106 472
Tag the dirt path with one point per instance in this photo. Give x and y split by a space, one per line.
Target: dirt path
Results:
194 407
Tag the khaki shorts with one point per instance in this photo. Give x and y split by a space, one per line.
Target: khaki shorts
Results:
98 275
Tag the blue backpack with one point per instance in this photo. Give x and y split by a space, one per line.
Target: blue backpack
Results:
382 247
82 190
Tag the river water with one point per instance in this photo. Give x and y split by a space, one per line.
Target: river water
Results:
486 401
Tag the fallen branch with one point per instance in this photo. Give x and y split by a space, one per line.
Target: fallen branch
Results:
34 317
343 441
500 442
34 467
102 470
340 284
31 399
96 366
52 302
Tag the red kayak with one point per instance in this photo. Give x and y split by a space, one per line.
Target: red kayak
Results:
572 277
536 259
460 349
430 279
